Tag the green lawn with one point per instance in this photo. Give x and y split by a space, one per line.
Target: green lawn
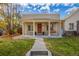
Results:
66 46
15 47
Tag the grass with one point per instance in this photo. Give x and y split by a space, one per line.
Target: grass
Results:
66 46
19 47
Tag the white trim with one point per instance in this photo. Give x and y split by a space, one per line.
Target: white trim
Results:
33 28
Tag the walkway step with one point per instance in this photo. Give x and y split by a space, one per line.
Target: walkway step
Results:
39 53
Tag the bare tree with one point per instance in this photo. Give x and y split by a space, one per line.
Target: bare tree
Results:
9 12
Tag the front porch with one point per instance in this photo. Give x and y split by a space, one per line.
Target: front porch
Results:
41 29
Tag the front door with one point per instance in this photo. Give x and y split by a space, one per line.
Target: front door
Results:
78 27
39 28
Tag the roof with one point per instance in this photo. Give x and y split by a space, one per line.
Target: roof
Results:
72 13
41 16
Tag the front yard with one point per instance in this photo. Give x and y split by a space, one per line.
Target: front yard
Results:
19 47
66 46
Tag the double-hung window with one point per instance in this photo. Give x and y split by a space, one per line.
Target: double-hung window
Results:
71 26
30 28
52 27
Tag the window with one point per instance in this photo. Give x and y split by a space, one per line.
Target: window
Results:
52 25
71 26
30 28
47 28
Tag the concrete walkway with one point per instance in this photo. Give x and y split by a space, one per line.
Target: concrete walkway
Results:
39 45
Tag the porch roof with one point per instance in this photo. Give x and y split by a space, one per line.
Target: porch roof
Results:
40 16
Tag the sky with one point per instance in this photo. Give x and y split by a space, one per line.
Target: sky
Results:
60 8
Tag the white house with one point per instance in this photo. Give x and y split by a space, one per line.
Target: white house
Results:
71 24
48 25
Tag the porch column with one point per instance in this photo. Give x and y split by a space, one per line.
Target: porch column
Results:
23 28
33 28
60 29
49 28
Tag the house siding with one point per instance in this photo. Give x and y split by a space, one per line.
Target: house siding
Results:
72 19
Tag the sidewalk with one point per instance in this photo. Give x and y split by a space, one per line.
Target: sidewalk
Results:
39 48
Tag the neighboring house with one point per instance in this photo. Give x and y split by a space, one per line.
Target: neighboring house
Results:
71 24
48 25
